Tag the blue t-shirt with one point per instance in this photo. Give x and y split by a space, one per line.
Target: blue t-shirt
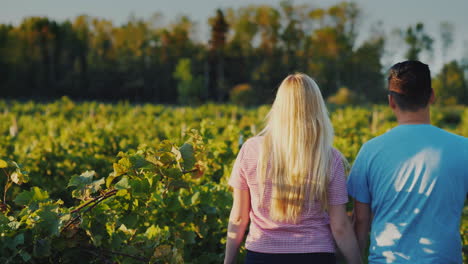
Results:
415 178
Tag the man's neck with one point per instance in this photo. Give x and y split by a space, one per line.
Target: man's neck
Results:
421 116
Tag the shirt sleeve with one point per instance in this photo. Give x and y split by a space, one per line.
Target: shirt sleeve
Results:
358 185
237 179
337 193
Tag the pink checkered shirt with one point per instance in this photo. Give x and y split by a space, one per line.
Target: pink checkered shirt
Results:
311 234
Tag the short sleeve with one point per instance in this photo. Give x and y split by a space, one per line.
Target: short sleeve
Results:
237 179
337 193
358 185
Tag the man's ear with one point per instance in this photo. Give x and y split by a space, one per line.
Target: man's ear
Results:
391 102
433 97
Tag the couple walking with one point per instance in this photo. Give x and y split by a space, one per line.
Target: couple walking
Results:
408 185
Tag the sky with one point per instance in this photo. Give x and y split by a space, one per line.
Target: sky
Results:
393 14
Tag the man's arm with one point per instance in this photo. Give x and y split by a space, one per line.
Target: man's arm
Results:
343 234
362 219
238 221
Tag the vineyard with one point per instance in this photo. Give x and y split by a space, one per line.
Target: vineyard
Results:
120 183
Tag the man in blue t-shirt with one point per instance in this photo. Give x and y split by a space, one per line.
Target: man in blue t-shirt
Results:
411 182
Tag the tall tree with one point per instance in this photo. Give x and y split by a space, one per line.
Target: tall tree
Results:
268 68
368 79
216 82
6 61
240 52
144 60
447 36
80 47
417 40
292 36
450 84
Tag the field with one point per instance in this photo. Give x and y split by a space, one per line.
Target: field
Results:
119 183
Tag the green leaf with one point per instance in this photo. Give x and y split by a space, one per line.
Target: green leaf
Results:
49 221
165 146
117 239
121 193
13 225
18 177
209 210
189 237
25 256
138 161
153 160
176 152
127 231
34 196
85 185
82 180
97 240
166 158
162 251
152 232
100 212
18 240
183 202
172 173
129 220
42 248
140 187
119 170
3 164
187 155
122 184
15 165
3 220
110 179
96 185
125 163
177 184
196 198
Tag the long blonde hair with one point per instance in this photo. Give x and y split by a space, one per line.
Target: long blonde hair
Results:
297 143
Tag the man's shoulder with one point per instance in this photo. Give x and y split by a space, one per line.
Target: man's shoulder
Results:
452 136
456 144
378 141
397 132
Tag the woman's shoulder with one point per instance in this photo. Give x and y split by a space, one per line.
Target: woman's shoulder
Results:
336 152
337 156
252 145
256 140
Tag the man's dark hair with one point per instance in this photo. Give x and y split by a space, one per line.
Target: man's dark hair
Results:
409 83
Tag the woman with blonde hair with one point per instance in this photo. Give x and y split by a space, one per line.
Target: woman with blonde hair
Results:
289 183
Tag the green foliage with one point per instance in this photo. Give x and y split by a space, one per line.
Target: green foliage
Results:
31 198
243 94
344 96
187 155
85 186
450 85
139 183
189 88
143 60
417 40
155 211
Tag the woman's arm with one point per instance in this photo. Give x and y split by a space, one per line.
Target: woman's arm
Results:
238 221
343 233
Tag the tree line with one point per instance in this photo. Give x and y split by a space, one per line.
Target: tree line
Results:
250 50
